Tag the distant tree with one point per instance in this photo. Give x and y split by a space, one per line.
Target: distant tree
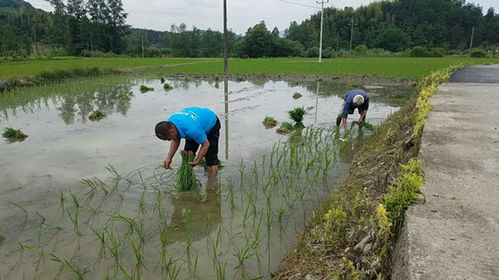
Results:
392 39
117 28
259 42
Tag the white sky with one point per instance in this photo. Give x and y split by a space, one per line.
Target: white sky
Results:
242 14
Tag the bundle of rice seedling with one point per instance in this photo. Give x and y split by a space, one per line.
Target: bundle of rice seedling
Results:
297 114
96 115
269 122
12 133
186 179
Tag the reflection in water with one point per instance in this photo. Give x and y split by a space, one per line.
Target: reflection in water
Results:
108 101
198 214
226 103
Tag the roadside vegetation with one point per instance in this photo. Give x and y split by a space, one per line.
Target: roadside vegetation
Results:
353 234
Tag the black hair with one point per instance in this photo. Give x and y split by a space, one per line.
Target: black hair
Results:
162 129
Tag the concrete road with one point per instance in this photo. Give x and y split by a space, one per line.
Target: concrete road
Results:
455 233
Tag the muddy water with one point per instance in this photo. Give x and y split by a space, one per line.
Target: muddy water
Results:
64 147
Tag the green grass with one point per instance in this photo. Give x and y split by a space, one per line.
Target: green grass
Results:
32 67
403 67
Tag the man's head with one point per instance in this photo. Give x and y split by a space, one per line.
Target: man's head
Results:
358 100
166 131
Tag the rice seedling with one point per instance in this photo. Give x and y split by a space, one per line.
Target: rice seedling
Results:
162 80
96 115
114 245
240 79
186 179
26 214
297 95
285 128
167 87
2 238
135 227
145 89
269 122
77 271
73 217
297 114
13 134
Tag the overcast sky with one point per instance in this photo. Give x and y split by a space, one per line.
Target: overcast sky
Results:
204 14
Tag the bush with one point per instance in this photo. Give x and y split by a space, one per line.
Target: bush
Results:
312 52
478 52
360 50
420 51
438 52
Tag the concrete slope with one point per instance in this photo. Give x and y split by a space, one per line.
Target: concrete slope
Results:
455 233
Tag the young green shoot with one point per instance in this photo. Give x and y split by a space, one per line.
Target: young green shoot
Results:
13 134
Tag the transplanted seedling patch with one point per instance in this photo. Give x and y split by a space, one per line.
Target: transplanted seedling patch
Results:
96 116
269 122
162 80
297 95
13 134
145 89
297 114
285 128
167 87
186 179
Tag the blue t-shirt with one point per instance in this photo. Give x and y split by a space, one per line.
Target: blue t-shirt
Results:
194 123
350 106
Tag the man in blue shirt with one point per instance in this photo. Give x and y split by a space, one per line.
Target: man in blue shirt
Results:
198 126
354 99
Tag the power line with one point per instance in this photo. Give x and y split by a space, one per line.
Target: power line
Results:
299 4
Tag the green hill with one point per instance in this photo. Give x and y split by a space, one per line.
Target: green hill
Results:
7 6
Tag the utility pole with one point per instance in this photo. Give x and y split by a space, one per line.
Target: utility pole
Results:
351 35
322 2
226 61
471 41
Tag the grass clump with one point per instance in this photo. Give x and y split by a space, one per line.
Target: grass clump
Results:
186 179
297 114
11 133
145 89
167 86
269 122
297 95
96 115
285 128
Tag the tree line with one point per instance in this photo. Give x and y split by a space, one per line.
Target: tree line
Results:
98 27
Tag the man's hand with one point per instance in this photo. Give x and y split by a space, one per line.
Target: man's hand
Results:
194 163
167 163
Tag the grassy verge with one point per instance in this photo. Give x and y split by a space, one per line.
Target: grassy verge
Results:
352 235
47 77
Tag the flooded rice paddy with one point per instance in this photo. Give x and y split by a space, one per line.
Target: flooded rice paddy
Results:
85 199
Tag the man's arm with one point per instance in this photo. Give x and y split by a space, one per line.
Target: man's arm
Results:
345 127
173 149
363 116
202 152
